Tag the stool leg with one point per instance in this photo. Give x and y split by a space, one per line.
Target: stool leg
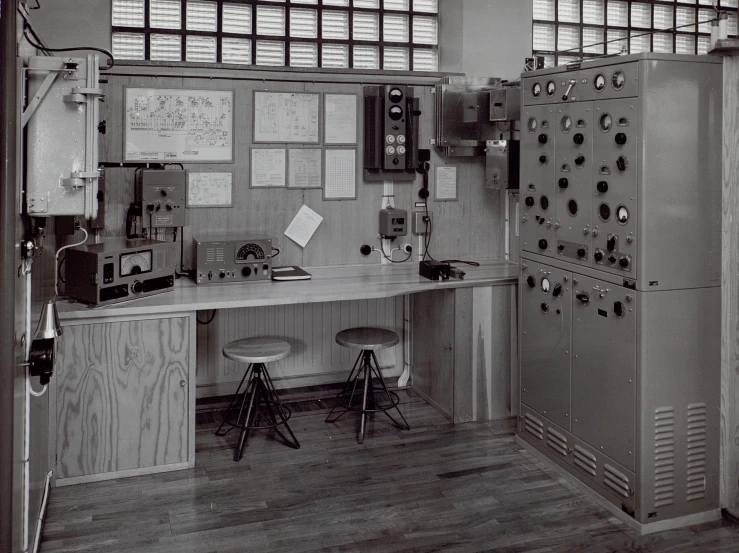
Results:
387 393
363 418
251 411
234 397
353 379
273 405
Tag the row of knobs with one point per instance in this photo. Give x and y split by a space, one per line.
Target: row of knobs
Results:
579 138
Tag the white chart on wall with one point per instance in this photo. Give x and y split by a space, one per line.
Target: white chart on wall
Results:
173 125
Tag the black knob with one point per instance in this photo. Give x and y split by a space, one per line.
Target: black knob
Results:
543 244
563 183
529 201
169 207
541 220
561 247
621 163
581 252
620 138
618 308
543 139
265 267
531 281
611 243
579 160
598 256
557 290
543 159
612 258
246 271
221 275
365 249
583 297
624 262
602 187
163 192
137 287
578 139
544 307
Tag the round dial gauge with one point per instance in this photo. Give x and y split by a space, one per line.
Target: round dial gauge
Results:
532 124
566 123
599 83
618 80
390 139
401 139
536 90
249 251
606 122
551 88
395 95
395 113
390 150
135 263
545 285
622 214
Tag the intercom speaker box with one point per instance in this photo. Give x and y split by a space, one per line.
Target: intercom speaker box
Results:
162 196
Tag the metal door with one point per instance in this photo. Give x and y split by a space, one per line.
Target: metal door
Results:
604 368
546 305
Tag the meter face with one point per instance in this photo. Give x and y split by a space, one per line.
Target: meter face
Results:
135 263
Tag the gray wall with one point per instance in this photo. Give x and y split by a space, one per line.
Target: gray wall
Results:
69 23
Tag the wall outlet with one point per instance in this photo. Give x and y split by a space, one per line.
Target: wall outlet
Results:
419 224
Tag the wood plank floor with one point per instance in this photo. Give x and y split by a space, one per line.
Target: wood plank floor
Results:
435 488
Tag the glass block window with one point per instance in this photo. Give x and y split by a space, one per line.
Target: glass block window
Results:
393 35
569 30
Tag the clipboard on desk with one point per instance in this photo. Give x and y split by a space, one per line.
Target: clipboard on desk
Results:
291 272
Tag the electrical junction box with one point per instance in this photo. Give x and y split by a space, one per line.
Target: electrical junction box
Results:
393 223
419 225
162 195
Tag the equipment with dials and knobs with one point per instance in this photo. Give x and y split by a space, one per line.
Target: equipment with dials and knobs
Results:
619 297
119 270
244 258
162 197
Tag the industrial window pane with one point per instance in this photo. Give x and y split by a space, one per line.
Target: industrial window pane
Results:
641 15
568 59
396 59
165 14
236 18
426 6
732 25
425 60
366 26
200 48
684 44
593 12
165 47
270 52
620 45
236 50
705 15
395 28
685 16
568 11
271 22
544 37
568 37
618 13
592 36
729 3
399 5
129 46
202 16
425 30
303 54
704 43
312 2
366 57
341 3
548 61
335 55
373 4
639 44
663 17
662 43
303 24
128 13
544 9
335 25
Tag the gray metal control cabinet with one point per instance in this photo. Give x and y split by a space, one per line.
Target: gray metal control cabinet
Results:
620 296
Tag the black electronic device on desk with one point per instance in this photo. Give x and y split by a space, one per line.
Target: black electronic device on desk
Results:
119 270
434 270
245 258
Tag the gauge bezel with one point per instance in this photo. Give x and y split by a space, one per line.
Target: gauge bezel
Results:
562 124
595 83
600 122
243 245
534 87
532 125
395 90
545 285
554 88
615 75
628 215
124 257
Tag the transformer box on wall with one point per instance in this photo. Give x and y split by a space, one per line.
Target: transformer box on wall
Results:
620 282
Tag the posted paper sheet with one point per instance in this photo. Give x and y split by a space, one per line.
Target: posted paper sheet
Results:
341 119
303 226
341 175
446 183
268 167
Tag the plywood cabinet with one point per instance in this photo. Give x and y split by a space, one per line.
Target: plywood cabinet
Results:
121 398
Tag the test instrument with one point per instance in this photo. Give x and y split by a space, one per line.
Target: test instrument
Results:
225 259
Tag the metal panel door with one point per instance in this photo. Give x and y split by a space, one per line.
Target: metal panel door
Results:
604 368
537 180
546 305
573 170
615 186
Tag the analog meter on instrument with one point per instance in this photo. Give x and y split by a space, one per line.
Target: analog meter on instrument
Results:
135 263
249 252
599 83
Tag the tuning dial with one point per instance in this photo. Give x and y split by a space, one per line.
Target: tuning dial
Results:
543 244
598 256
557 290
544 307
543 139
543 159
624 262
611 243
563 183
579 160
137 287
581 252
221 275
531 281
530 201
621 163
602 187
578 139
612 258
621 138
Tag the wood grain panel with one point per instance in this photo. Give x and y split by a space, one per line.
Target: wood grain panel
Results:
121 396
464 356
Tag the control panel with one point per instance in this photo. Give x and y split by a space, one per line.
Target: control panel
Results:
162 196
233 259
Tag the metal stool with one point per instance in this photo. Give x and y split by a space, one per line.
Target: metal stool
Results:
259 395
367 339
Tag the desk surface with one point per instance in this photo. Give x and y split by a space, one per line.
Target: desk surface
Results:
348 282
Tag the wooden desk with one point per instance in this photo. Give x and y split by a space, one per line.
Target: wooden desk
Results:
123 394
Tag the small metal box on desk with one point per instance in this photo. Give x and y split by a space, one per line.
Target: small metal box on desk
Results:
246 258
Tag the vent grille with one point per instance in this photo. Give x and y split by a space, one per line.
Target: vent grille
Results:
696 484
586 461
617 481
533 426
664 456
557 442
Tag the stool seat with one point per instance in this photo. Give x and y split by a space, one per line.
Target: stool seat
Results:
369 338
256 350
